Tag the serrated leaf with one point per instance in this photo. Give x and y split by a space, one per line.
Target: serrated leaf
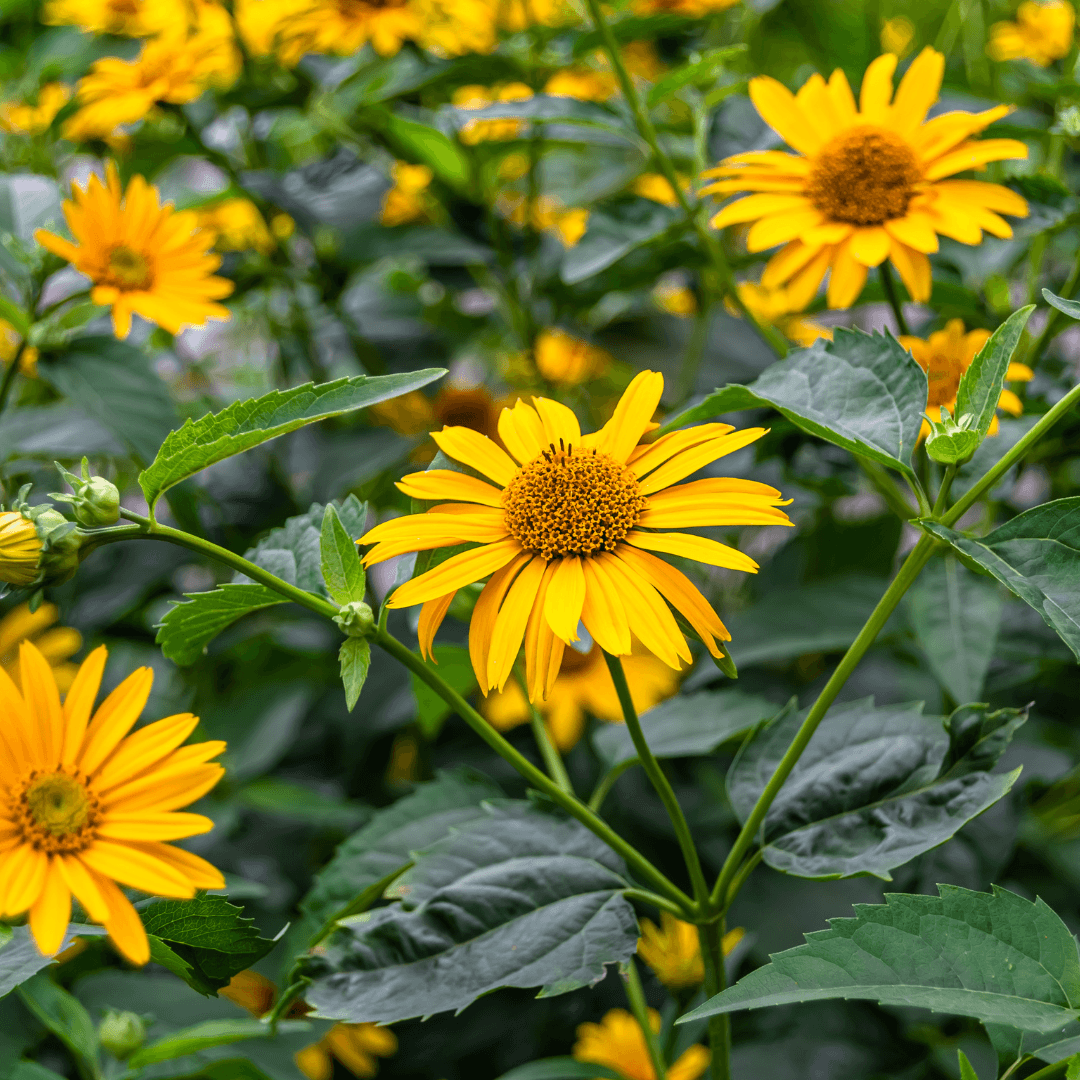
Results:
342 570
204 1036
189 626
21 959
982 383
996 957
64 1015
245 424
355 659
875 786
1036 555
521 898
862 392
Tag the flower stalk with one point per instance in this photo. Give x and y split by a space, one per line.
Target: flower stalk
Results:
635 996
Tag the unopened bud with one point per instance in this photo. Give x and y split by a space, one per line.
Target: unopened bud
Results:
42 547
20 549
96 501
951 442
121 1033
356 619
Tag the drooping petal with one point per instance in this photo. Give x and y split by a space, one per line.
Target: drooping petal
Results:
431 617
125 928
85 887
197 870
565 598
510 623
846 280
51 912
482 624
603 612
22 877
869 246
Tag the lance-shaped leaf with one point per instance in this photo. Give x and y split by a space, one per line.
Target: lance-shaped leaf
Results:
1066 307
354 656
204 1036
1037 556
188 627
875 787
982 383
342 570
65 1016
521 898
245 424
994 956
861 392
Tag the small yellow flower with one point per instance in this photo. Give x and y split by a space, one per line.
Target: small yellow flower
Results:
20 549
671 294
1042 33
130 18
89 807
945 356
10 339
657 188
405 201
778 308
341 27
58 644
404 764
140 256
548 215
479 97
619 1043
583 84
673 950
263 28
472 407
251 991
356 1046
564 359
282 226
25 119
236 225
897 35
692 9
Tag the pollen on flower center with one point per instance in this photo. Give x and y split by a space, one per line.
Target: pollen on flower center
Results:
56 813
128 269
572 501
865 177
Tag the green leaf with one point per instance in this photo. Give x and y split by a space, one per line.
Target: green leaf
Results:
1066 307
996 957
188 627
1036 555
227 1069
860 392
204 1036
209 934
520 898
12 313
423 143
245 424
614 232
64 1016
560 1068
21 959
341 567
295 802
982 383
956 615
686 726
31 1070
355 659
966 1071
875 786
706 70
455 667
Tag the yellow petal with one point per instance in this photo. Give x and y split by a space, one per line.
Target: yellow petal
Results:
147 825
754 207
779 109
478 452
603 612
914 270
877 88
632 415
510 623
565 597
561 426
85 887
131 866
445 484
698 548
457 572
79 703
125 928
431 617
42 698
846 280
114 718
918 91
146 748
51 912
485 612
522 431
781 228
697 457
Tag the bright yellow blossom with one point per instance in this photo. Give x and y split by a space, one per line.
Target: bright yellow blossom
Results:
897 34
776 307
25 119
691 9
658 188
673 950
479 97
619 1043
406 201
130 18
58 644
10 339
547 215
357 1046
1042 33
567 360
236 225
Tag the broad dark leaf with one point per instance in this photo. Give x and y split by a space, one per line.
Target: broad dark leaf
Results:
64 1015
189 626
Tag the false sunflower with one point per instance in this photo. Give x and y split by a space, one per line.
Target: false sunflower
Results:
619 1043
567 525
1043 32
87 807
673 950
868 182
140 256
58 644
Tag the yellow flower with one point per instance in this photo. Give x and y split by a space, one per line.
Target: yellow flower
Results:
404 764
10 339
56 643
479 97
282 226
20 549
88 806
1042 33
341 27
548 215
131 18
867 183
517 15
658 188
251 991
566 524
262 27
236 225
356 1046
583 84
406 201
945 356
671 294
140 256
567 360
457 27
692 9
584 686
673 950
619 1043
466 406
897 35
776 307
24 119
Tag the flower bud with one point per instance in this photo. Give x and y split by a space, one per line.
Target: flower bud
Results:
951 442
20 549
121 1033
356 619
42 546
96 501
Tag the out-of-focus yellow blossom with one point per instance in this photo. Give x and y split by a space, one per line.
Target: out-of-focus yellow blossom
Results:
548 215
897 35
673 950
262 25
458 27
341 27
282 226
414 413
691 9
128 18
658 188
479 97
237 226
583 84
516 15
582 686
406 201
58 644
619 1043
777 307
672 295
10 340
404 764
23 118
251 991
1042 33
567 360
357 1046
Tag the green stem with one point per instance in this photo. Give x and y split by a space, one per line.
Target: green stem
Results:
635 995
1055 317
1057 1069
889 285
606 782
711 936
659 781
690 363
772 337
9 376
281 1006
739 880
883 483
655 901
553 761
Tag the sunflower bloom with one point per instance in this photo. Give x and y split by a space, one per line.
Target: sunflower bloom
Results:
619 1043
867 182
945 356
673 950
1042 33
58 644
140 256
567 524
23 119
691 9
88 807
499 129
341 27
10 340
357 1046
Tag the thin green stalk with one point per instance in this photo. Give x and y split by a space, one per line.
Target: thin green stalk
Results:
281 1006
888 283
553 761
711 936
1057 1069
1055 317
635 995
654 900
9 377
883 483
739 880
690 362
659 781
607 782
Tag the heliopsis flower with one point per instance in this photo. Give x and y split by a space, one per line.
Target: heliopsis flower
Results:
140 256
253 992
1042 33
456 27
584 686
89 807
897 34
131 18
673 295
499 129
691 9
564 359
775 307
357 1046
10 340
236 225
868 182
25 119
20 549
567 524
619 1043
548 215
406 200
945 356
341 27
465 406
673 950
582 84
262 27
658 188
58 644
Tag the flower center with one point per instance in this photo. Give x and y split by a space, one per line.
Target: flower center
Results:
56 813
943 374
128 269
572 501
865 177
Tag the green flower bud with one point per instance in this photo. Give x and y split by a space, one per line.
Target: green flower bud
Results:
58 543
951 442
96 501
122 1033
356 619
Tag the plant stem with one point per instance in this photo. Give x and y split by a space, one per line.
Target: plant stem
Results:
659 781
9 376
772 337
1057 1069
654 900
635 995
711 936
553 761
606 782
281 1006
889 285
690 363
1054 317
